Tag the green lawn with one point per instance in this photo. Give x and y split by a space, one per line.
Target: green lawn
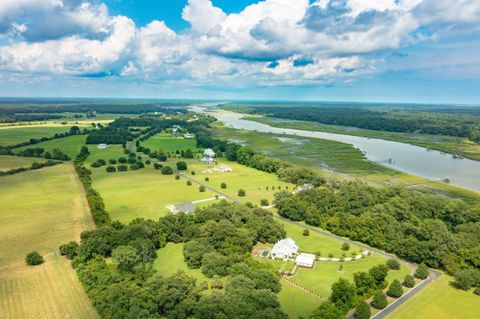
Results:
170 260
10 162
169 143
70 145
111 152
439 301
295 302
10 135
41 210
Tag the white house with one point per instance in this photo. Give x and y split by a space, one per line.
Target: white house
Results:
102 146
305 260
208 156
303 187
284 249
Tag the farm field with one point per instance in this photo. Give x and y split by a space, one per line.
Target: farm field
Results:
439 301
50 217
69 145
170 260
9 162
10 135
169 143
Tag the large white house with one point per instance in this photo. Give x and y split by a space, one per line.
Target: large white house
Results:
284 249
305 260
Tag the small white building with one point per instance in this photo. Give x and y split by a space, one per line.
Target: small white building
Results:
102 146
188 136
284 249
303 187
305 260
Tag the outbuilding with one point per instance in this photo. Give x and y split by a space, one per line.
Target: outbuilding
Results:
305 260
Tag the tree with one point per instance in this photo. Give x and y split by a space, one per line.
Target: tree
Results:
327 310
122 168
364 283
181 166
207 179
422 271
465 279
409 281
188 153
177 177
242 193
122 160
112 161
343 294
69 250
345 246
111 169
379 274
162 157
223 185
306 232
167 170
362 311
393 264
126 258
74 130
34 259
395 290
379 301
189 183
157 165
264 202
214 264
201 189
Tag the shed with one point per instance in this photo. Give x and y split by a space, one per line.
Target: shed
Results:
284 249
102 146
305 260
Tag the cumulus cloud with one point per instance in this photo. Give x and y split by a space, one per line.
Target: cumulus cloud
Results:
270 42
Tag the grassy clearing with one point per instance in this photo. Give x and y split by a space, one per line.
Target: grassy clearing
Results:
142 194
10 162
17 134
70 145
170 260
169 143
439 301
449 144
38 214
295 302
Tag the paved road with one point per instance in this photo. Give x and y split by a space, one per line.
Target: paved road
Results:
434 274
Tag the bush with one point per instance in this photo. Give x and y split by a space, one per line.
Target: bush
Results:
193 173
177 177
122 168
223 185
362 311
96 164
111 169
207 179
379 301
189 183
34 258
395 290
242 193
409 281
264 202
345 246
112 161
393 264
69 250
181 166
162 157
134 167
477 291
465 279
167 170
422 271
140 164
131 160
157 165
101 161
122 160
201 189
36 165
306 232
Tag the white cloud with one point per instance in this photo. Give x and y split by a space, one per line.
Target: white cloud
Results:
202 15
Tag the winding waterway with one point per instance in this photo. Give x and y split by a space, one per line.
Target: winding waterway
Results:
405 158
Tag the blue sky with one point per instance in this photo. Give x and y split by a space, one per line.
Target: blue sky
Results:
424 51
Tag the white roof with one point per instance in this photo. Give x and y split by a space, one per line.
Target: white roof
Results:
285 246
305 259
209 152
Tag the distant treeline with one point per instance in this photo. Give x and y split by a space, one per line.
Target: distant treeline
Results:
381 120
9 118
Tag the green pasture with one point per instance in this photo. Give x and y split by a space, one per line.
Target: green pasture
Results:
111 152
170 260
69 145
11 135
9 162
295 302
41 209
169 143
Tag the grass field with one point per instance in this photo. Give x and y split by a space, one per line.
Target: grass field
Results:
295 302
170 260
449 144
70 145
17 134
169 143
10 162
39 214
439 301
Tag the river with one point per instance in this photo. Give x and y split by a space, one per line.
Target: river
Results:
407 158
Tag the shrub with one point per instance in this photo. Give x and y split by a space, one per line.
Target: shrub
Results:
193 172
242 193
379 301
181 166
422 271
162 157
223 185
466 279
345 246
131 160
122 168
122 160
167 170
112 161
409 281
36 165
393 264
157 165
477 291
34 258
201 189
69 250
148 162
395 290
96 164
207 179
264 202
101 161
134 167
111 169
306 232
140 164
177 177
189 183
362 311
